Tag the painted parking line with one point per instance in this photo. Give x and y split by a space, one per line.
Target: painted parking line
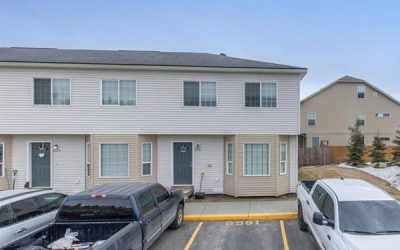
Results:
190 242
284 238
230 217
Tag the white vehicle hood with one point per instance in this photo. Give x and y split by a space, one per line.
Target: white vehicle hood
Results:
372 242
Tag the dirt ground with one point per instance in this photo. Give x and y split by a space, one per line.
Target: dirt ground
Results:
332 171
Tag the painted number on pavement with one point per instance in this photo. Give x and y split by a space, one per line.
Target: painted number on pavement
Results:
242 223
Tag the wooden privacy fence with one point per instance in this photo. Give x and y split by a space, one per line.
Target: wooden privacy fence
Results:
339 153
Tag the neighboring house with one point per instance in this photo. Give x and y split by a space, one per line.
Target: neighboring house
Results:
327 114
72 119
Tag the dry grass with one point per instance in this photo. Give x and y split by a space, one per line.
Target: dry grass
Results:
332 171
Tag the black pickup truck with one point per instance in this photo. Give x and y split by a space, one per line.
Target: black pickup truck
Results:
116 215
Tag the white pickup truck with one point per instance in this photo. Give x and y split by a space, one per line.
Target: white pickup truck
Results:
348 214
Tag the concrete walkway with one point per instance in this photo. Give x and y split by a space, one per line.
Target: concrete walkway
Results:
241 207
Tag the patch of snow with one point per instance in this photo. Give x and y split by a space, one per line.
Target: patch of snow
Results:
389 174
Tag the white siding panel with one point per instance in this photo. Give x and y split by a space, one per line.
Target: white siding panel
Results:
294 166
68 165
159 105
212 150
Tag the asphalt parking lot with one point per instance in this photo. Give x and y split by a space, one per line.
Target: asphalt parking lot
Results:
236 235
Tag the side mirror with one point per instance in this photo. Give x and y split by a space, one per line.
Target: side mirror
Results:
319 219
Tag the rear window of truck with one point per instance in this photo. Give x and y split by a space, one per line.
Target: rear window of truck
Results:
96 209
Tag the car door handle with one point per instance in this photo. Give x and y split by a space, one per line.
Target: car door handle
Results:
21 230
329 237
308 203
147 221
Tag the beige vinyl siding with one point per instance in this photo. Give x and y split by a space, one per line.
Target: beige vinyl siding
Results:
131 140
153 140
5 181
293 166
230 180
159 108
282 180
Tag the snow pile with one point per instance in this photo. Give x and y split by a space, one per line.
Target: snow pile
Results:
389 174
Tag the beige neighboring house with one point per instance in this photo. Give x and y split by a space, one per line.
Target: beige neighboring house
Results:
73 119
327 114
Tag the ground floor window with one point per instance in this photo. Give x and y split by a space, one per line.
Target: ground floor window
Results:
283 158
229 159
146 158
256 160
114 160
1 159
315 142
88 159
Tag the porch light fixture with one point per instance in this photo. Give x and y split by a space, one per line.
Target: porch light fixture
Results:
198 147
56 148
42 150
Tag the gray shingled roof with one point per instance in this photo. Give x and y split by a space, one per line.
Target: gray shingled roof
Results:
128 57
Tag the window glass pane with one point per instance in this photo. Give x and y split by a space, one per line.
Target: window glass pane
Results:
191 93
329 208
146 202
229 158
208 94
252 95
53 201
268 92
161 193
146 152
114 160
25 209
1 158
4 216
230 152
127 92
42 91
315 142
110 92
311 118
256 159
283 156
360 92
61 92
361 119
319 197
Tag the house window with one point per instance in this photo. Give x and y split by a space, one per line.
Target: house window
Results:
229 159
315 142
2 159
360 92
114 160
256 160
311 118
283 158
197 93
382 114
88 155
51 91
146 158
361 118
386 139
260 95
119 92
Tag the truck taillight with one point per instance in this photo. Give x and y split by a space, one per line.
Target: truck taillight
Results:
99 196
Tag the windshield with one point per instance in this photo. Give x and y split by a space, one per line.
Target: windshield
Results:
369 217
96 210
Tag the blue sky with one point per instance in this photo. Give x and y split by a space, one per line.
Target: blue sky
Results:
330 38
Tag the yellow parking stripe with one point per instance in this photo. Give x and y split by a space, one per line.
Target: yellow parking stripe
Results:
190 242
284 239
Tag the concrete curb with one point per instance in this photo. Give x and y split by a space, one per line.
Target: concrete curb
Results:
229 217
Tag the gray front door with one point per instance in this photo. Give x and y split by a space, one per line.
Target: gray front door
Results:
183 163
40 164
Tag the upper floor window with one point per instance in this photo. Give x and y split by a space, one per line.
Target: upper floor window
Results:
119 92
197 93
383 114
260 95
51 91
311 118
361 118
360 92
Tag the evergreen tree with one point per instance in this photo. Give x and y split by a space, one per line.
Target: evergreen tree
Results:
396 149
356 146
378 151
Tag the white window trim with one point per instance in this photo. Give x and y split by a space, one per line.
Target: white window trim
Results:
4 160
100 167
363 116
280 158
117 105
151 159
269 160
51 92
260 83
200 106
365 90
88 158
315 120
227 158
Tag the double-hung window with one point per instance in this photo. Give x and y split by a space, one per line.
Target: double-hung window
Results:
360 91
146 158
2 160
382 114
260 94
119 92
361 119
200 93
311 118
283 158
51 91
229 159
256 160
114 160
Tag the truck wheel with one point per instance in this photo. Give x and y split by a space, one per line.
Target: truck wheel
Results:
178 218
300 218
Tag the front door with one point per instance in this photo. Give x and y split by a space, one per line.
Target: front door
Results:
183 163
40 155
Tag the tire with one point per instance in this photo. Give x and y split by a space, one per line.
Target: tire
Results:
178 221
300 219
